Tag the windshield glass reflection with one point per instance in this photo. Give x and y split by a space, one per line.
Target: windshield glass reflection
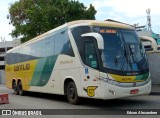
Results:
123 50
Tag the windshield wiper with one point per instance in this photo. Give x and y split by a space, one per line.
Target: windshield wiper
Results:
125 56
135 58
128 53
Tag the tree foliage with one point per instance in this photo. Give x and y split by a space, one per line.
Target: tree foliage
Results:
34 17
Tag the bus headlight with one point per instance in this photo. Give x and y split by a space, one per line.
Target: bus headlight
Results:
109 81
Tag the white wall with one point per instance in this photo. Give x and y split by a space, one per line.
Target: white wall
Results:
145 33
2 77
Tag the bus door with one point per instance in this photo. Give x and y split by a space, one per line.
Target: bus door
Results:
91 73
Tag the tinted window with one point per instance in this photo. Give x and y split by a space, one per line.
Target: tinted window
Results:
8 58
52 45
27 52
36 50
59 43
77 32
122 50
90 54
14 56
130 37
19 57
63 45
48 46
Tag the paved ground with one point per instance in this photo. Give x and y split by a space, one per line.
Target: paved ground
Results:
155 90
48 101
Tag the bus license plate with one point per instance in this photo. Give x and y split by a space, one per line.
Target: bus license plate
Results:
134 91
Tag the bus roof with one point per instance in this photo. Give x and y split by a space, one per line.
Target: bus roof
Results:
79 23
102 23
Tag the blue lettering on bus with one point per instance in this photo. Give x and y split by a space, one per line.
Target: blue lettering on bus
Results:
86 70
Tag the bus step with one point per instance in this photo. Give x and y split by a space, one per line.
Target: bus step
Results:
4 98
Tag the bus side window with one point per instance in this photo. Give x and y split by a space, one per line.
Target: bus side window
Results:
90 54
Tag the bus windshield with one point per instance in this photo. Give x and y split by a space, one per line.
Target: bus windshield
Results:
123 50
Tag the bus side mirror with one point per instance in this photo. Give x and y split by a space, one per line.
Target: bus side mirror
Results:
149 49
158 48
98 37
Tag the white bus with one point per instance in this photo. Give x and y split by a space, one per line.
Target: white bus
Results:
149 43
85 58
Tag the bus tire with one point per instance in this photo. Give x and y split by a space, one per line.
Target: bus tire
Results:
72 95
15 88
20 88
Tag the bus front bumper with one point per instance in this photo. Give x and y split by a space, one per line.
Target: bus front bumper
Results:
111 91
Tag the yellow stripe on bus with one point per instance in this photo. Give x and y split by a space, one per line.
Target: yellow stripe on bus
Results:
23 71
125 79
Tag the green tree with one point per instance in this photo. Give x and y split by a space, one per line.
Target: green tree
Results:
34 17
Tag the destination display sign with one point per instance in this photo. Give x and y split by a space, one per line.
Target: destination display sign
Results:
111 31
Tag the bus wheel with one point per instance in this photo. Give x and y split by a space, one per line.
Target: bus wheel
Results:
20 89
15 88
72 93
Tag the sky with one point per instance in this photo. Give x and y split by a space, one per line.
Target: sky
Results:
128 11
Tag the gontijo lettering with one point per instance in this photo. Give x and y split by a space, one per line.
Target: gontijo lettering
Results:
22 67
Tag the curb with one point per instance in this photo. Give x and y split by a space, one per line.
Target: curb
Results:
4 98
155 93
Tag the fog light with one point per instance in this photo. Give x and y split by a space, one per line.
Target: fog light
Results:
112 92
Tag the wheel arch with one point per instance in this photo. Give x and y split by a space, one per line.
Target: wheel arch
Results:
66 81
14 80
19 80
77 83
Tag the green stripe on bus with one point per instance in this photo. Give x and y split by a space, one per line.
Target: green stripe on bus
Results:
47 70
142 77
38 71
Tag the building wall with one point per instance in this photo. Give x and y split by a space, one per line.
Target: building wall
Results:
4 47
154 66
145 33
2 77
